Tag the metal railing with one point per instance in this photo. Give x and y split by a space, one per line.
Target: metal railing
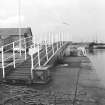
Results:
11 54
44 55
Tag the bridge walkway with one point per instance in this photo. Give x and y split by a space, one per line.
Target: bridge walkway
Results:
19 65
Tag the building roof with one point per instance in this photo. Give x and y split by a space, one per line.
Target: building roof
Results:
6 32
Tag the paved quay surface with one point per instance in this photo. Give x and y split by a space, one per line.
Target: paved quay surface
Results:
89 89
74 82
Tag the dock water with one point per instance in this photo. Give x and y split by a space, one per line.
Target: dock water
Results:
74 82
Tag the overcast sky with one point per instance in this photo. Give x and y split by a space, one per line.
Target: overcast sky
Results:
83 19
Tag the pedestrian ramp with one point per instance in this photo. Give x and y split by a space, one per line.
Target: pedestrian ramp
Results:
18 65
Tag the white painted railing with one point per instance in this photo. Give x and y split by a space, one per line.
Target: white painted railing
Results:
44 55
10 53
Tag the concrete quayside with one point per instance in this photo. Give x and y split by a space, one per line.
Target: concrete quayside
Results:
74 82
34 68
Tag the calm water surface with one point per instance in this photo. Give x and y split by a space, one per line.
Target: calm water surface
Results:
97 58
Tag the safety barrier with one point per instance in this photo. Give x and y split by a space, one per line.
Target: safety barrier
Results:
13 53
44 55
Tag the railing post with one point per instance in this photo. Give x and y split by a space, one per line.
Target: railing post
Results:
52 44
46 50
13 54
60 39
20 47
25 49
32 65
3 62
38 54
57 41
48 39
34 44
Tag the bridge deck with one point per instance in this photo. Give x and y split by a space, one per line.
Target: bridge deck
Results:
22 71
71 83
19 59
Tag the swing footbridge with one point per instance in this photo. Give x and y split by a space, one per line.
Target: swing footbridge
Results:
30 62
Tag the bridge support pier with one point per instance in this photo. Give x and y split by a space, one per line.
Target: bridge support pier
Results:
41 74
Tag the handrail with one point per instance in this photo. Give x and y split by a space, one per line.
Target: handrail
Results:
43 57
35 57
9 49
43 51
17 41
51 50
9 64
8 57
8 44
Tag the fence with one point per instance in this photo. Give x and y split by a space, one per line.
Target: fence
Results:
40 53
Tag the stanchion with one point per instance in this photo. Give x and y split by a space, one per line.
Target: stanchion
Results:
13 54
52 44
38 54
3 62
46 50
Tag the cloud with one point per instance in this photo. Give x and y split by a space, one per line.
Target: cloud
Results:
3 13
12 21
86 17
27 2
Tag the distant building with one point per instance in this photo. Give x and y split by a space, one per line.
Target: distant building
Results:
9 35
